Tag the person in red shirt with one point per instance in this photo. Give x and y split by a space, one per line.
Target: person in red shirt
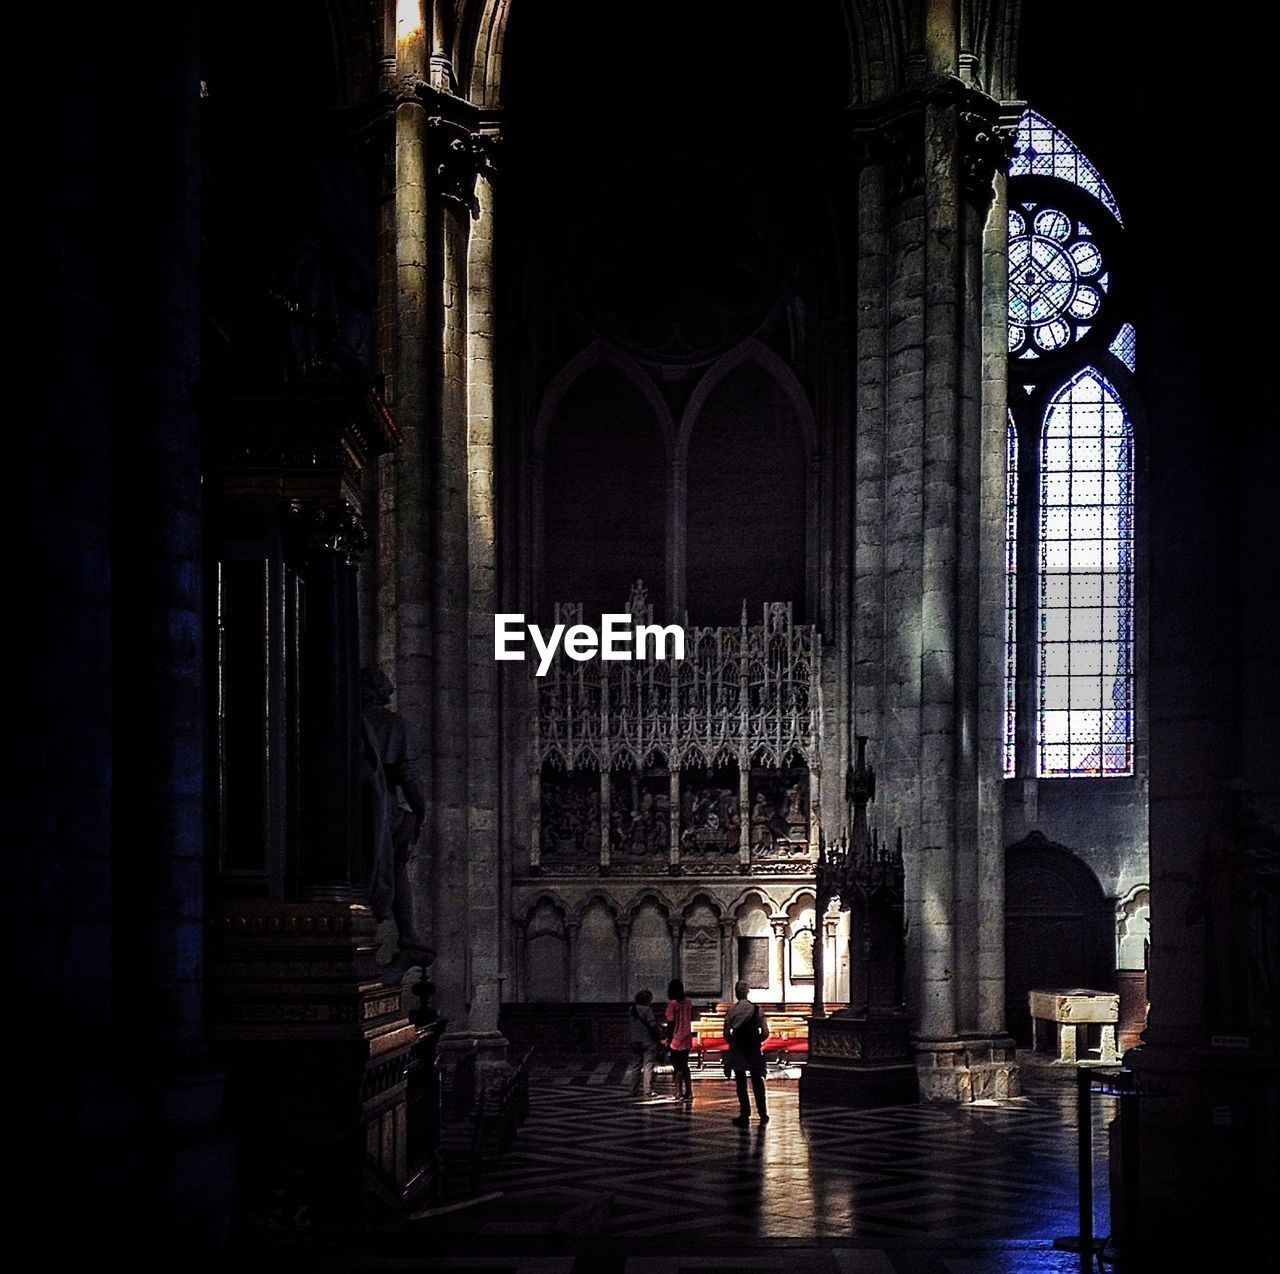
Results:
680 1038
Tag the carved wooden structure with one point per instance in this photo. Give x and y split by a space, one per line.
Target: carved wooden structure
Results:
862 1054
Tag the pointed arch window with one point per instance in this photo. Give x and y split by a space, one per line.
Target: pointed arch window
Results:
1072 352
1084 720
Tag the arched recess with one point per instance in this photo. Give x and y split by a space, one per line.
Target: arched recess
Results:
650 948
601 459
755 934
1058 928
802 930
701 962
746 489
546 954
598 953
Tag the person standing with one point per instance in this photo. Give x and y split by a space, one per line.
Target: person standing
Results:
643 1033
680 1038
746 1029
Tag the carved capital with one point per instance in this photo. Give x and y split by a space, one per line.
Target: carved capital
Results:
462 154
986 147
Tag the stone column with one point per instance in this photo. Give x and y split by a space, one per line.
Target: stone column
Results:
624 956
728 956
483 756
989 971
535 821
744 812
674 851
830 940
927 638
518 950
572 930
410 397
777 958
128 895
606 817
676 926
936 1013
866 676
819 961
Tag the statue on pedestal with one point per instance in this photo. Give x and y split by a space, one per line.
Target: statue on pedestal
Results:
394 810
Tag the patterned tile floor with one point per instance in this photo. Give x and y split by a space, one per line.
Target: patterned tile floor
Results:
597 1183
946 1173
659 1188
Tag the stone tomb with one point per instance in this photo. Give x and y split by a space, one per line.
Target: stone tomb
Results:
1071 1011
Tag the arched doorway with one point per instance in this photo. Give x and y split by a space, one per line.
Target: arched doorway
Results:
1058 929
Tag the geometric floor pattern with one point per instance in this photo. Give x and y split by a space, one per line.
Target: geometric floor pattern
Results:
926 1173
597 1183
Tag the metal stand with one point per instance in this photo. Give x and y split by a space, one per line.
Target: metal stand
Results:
1110 1082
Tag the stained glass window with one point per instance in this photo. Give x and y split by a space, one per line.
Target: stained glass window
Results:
1125 346
1072 354
1056 279
1011 601
1085 637
1043 150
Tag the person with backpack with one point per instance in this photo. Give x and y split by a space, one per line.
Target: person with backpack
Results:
644 1033
745 1030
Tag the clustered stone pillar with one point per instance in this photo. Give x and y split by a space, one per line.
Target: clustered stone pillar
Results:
930 417
107 859
445 585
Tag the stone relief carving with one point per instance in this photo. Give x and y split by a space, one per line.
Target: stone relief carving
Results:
744 702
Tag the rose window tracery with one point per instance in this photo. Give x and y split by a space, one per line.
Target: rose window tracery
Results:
1058 279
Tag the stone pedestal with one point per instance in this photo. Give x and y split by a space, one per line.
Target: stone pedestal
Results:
970 1068
1069 1011
316 1050
473 1065
859 1060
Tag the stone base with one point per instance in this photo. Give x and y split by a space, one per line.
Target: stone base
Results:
863 1088
316 1051
859 1061
1209 1121
472 1064
970 1068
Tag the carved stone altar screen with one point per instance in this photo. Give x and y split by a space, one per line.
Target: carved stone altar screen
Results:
707 764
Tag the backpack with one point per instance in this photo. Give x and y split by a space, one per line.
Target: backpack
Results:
654 1032
746 1038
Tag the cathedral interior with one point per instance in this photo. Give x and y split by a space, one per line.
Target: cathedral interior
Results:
888 348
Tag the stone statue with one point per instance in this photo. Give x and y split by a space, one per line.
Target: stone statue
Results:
761 818
394 812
